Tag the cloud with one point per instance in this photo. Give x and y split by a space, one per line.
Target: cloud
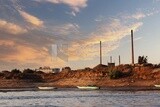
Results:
113 31
138 16
86 46
11 28
76 5
139 38
18 54
71 13
31 19
109 33
154 1
99 18
22 54
29 50
6 43
34 47
86 51
153 12
66 29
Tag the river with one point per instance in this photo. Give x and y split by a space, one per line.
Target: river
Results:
78 98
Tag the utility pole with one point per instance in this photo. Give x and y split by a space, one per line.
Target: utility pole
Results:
100 52
132 46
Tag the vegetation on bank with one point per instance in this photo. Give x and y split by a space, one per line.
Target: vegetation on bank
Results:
141 70
26 74
115 74
120 71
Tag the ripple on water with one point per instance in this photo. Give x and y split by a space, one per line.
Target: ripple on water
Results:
73 98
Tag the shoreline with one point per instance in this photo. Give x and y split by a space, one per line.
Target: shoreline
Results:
142 88
118 78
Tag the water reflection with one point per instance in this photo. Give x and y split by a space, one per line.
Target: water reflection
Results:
75 98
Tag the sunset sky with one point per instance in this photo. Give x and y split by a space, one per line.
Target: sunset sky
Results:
29 28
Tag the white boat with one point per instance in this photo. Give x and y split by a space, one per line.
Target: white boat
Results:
88 87
46 88
157 86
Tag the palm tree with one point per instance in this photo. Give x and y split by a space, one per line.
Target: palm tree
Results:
142 60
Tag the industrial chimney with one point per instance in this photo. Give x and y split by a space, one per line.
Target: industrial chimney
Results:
119 59
110 59
132 46
100 52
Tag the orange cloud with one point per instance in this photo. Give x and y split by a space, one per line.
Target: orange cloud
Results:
74 4
31 19
109 34
11 27
6 42
25 54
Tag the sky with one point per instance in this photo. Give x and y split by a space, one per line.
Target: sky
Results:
30 28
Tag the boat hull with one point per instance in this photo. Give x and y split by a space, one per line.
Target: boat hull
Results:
88 87
46 88
157 86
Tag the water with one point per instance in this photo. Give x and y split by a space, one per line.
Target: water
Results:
77 98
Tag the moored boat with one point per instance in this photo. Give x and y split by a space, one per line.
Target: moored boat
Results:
157 86
46 88
88 87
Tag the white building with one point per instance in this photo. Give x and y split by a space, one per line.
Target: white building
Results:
55 70
47 69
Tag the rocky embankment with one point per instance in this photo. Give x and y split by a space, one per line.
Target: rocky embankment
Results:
101 75
104 76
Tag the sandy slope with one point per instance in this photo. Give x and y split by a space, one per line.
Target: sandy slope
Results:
140 76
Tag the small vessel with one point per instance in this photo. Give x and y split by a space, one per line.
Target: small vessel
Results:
88 87
157 86
46 88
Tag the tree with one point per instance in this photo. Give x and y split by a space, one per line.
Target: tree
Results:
115 74
15 71
28 71
142 60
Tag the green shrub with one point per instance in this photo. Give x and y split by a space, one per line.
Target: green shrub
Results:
115 74
31 76
15 71
30 71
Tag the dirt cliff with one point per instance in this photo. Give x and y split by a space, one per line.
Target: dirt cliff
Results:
101 75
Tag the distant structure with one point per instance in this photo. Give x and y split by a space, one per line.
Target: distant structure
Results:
55 70
132 47
110 59
119 59
100 52
47 69
66 69
111 64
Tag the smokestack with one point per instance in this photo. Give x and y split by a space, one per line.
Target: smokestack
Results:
110 59
119 59
132 44
100 52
